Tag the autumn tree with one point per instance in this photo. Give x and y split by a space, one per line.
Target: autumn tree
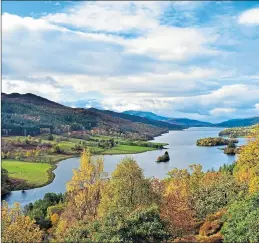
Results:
176 206
127 188
28 153
16 227
85 187
216 191
190 196
83 193
54 218
247 166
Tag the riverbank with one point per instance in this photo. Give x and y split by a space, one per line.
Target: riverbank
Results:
25 175
21 172
181 148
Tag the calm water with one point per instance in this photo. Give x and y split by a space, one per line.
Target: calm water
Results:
182 150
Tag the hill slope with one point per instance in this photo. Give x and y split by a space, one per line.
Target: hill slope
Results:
239 122
175 121
146 114
188 122
30 114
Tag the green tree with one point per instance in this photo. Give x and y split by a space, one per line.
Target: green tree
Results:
127 188
5 187
140 225
50 137
56 149
216 191
242 224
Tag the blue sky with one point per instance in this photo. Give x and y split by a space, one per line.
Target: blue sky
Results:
178 59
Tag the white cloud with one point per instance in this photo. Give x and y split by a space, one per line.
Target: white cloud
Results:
172 83
172 43
11 23
111 16
20 86
222 111
155 40
249 17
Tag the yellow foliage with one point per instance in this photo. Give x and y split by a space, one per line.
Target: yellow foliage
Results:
127 188
210 239
54 218
84 193
16 227
247 167
89 173
28 153
61 229
176 206
85 187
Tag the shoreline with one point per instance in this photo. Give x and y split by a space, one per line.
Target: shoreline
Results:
51 175
54 165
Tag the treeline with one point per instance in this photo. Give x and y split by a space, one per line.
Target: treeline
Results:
215 141
238 131
187 206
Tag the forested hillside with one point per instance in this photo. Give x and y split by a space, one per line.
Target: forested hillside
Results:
29 114
175 121
239 122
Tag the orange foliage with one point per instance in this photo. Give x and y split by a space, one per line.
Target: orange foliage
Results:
54 218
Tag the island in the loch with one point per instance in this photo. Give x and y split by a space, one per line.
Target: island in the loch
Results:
163 158
231 149
217 141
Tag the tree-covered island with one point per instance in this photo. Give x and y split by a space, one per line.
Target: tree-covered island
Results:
217 141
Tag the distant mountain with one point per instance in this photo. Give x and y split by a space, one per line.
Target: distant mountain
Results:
146 114
242 122
175 121
188 122
34 114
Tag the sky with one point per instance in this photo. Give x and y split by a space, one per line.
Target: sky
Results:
198 60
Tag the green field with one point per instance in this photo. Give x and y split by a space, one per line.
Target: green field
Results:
35 174
126 149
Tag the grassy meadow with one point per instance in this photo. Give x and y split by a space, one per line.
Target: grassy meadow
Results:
34 174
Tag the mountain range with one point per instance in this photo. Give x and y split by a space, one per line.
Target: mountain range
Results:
176 121
32 114
195 123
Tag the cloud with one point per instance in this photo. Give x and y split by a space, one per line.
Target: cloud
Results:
172 43
85 104
13 23
249 17
227 101
173 58
172 83
110 16
141 18
20 86
222 111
